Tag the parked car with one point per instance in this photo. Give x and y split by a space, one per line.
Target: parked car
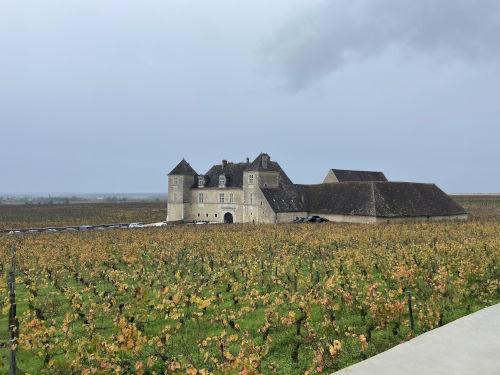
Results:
310 219
50 230
135 225
85 227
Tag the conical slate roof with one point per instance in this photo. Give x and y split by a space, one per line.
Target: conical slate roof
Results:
183 169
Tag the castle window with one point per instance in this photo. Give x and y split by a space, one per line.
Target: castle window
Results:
198 214
201 181
222 180
251 198
215 215
175 197
176 180
250 179
221 197
207 215
231 198
200 197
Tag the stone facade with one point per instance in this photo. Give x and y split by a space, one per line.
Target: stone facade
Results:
260 192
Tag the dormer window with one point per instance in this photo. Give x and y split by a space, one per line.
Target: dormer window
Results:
201 181
222 181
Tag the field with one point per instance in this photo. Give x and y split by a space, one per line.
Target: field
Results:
20 216
479 205
287 299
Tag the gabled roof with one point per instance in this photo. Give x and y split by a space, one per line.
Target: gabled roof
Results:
378 198
183 169
344 175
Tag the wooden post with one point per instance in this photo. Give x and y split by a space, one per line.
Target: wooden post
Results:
12 315
409 309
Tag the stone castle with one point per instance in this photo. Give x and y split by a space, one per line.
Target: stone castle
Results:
260 192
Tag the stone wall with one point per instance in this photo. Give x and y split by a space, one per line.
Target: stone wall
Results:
330 177
347 218
420 218
213 210
289 217
374 219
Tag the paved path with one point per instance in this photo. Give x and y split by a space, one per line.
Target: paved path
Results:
467 346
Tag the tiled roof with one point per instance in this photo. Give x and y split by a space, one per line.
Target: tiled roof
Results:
344 175
378 198
232 171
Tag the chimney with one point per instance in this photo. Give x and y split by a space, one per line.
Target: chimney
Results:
248 160
224 163
265 160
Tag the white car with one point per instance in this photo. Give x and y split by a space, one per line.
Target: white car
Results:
160 224
135 225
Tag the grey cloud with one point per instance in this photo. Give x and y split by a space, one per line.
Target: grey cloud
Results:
338 32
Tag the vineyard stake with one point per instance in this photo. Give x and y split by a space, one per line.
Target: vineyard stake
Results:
409 309
12 315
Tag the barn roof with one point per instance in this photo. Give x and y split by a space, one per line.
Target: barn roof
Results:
344 175
183 169
378 198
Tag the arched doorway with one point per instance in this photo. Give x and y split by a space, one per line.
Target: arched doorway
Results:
228 218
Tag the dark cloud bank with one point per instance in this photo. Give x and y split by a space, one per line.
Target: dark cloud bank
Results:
338 32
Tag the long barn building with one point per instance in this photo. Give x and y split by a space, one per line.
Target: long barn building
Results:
261 192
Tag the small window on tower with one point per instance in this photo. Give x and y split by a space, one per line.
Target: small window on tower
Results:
176 180
250 179
201 181
200 197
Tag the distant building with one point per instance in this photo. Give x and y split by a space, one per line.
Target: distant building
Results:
261 192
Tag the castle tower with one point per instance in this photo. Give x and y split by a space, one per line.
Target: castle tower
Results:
262 173
180 180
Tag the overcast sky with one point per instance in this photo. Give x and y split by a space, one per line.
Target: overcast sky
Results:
109 95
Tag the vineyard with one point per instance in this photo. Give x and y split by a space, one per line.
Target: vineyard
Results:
286 299
20 216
